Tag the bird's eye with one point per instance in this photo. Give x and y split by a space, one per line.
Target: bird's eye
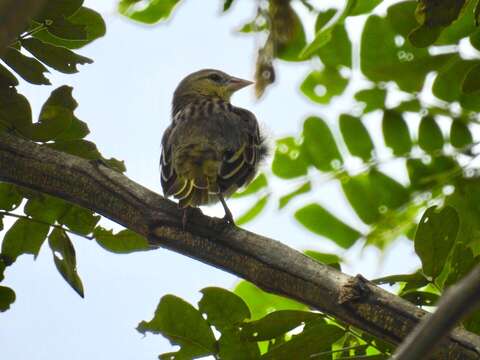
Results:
215 77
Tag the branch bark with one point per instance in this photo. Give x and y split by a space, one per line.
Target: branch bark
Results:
267 263
458 301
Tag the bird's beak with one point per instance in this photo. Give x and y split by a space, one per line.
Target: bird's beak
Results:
235 84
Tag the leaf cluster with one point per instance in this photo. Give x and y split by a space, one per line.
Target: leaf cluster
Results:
32 218
252 324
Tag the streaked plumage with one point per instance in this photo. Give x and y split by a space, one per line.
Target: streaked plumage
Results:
211 148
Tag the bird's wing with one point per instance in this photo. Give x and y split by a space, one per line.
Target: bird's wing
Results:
168 176
240 164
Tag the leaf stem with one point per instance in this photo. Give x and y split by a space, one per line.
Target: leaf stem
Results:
18 216
39 28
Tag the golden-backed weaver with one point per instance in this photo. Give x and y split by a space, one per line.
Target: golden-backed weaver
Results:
211 147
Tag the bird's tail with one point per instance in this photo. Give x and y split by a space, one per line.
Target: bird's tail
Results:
197 168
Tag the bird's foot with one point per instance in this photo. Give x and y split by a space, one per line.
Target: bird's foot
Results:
220 224
228 218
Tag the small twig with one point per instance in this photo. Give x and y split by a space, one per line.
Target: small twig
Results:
39 28
337 350
368 342
457 302
18 216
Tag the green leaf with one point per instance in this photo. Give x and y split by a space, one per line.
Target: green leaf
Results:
45 208
227 4
461 263
2 260
262 303
115 164
55 117
356 137
15 111
324 33
388 192
321 86
421 298
332 260
59 58
412 105
392 224
54 9
460 134
362 197
460 28
7 297
319 145
405 64
430 137
370 194
28 68
7 79
82 148
24 237
424 35
413 281
65 259
426 176
76 131
432 13
319 221
277 323
253 212
57 120
311 341
10 197
222 307
182 325
289 162
79 219
64 29
395 133
90 20
471 83
124 242
232 346
477 14
466 201
338 51
256 185
374 99
434 239
364 7
302 189
448 84
154 11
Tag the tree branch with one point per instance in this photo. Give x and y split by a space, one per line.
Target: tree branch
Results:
267 263
14 17
457 302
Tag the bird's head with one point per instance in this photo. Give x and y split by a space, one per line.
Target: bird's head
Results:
210 82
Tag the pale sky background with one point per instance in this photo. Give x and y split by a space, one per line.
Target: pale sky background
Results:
125 96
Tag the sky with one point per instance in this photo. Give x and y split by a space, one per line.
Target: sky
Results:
125 97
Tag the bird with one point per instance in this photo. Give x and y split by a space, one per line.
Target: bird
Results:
211 148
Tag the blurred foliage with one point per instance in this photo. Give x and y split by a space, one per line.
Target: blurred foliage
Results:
415 109
421 90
